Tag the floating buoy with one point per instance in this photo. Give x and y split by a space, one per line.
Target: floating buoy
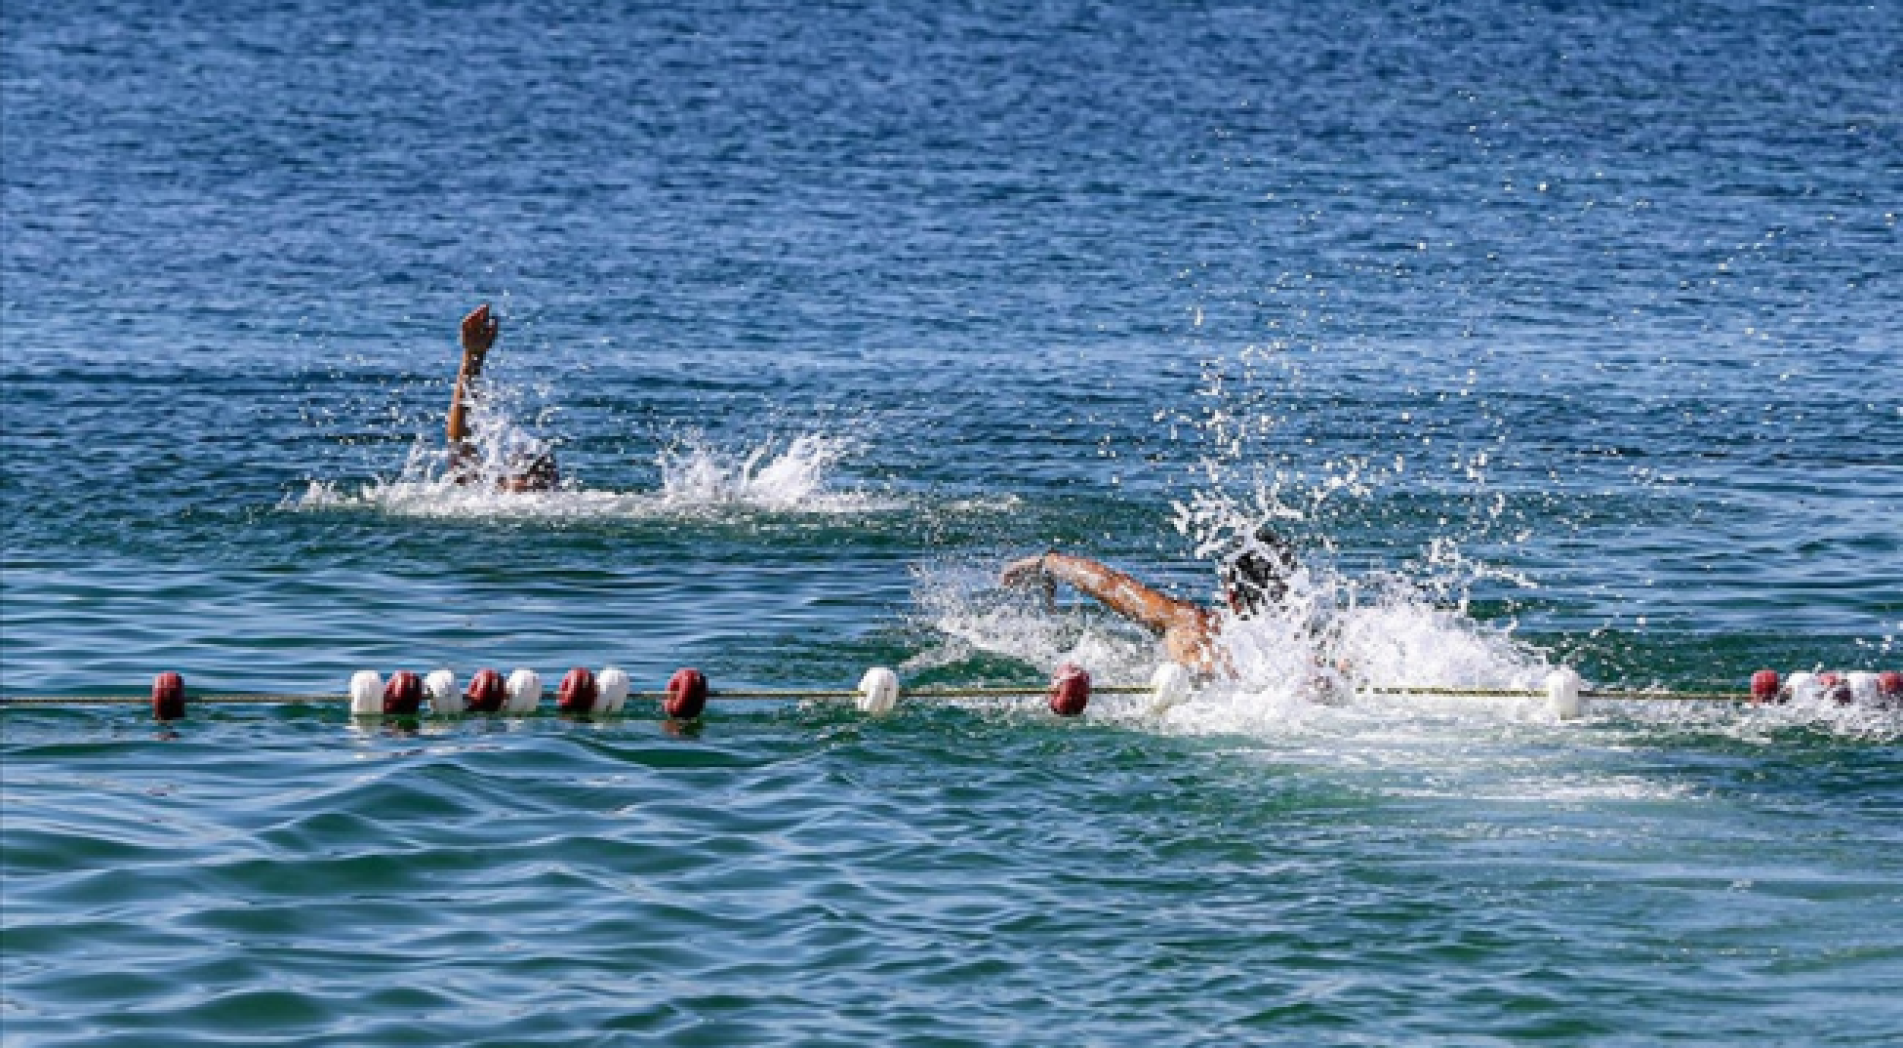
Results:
440 688
878 691
403 696
686 694
578 691
1562 690
525 691
168 696
1764 686
366 694
612 686
487 692
1070 690
1169 686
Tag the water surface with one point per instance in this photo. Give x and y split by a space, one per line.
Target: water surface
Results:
1555 337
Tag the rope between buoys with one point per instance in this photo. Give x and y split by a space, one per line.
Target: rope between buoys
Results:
1532 693
242 698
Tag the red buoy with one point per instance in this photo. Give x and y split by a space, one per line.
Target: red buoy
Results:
578 691
168 696
686 694
487 692
1835 687
403 696
1070 690
1764 685
1890 685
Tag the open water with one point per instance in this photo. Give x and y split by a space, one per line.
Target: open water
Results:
1559 334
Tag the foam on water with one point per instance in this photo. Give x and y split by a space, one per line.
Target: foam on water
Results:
960 604
1768 725
1300 670
1329 635
795 477
1292 698
1325 639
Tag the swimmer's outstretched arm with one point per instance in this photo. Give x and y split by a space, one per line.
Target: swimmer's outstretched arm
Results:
1188 632
1116 590
478 334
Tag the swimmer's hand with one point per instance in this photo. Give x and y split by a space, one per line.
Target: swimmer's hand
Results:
1028 571
479 331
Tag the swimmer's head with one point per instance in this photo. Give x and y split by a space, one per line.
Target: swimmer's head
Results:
1255 571
533 474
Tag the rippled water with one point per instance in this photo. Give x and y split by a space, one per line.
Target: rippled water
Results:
1557 337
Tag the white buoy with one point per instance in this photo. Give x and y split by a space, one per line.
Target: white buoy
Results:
1562 690
878 691
1863 687
1803 687
366 694
444 699
1169 686
525 691
611 686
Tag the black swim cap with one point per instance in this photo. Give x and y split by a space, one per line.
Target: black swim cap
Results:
1256 571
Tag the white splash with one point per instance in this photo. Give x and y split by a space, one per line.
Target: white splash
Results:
1325 641
970 616
1297 698
795 477
698 478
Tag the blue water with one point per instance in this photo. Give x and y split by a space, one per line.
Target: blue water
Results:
1554 336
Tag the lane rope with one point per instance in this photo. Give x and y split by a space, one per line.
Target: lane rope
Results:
583 692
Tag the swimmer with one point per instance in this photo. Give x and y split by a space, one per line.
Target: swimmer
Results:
527 472
1252 577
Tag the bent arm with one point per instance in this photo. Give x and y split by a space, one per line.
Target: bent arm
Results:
478 334
1114 589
